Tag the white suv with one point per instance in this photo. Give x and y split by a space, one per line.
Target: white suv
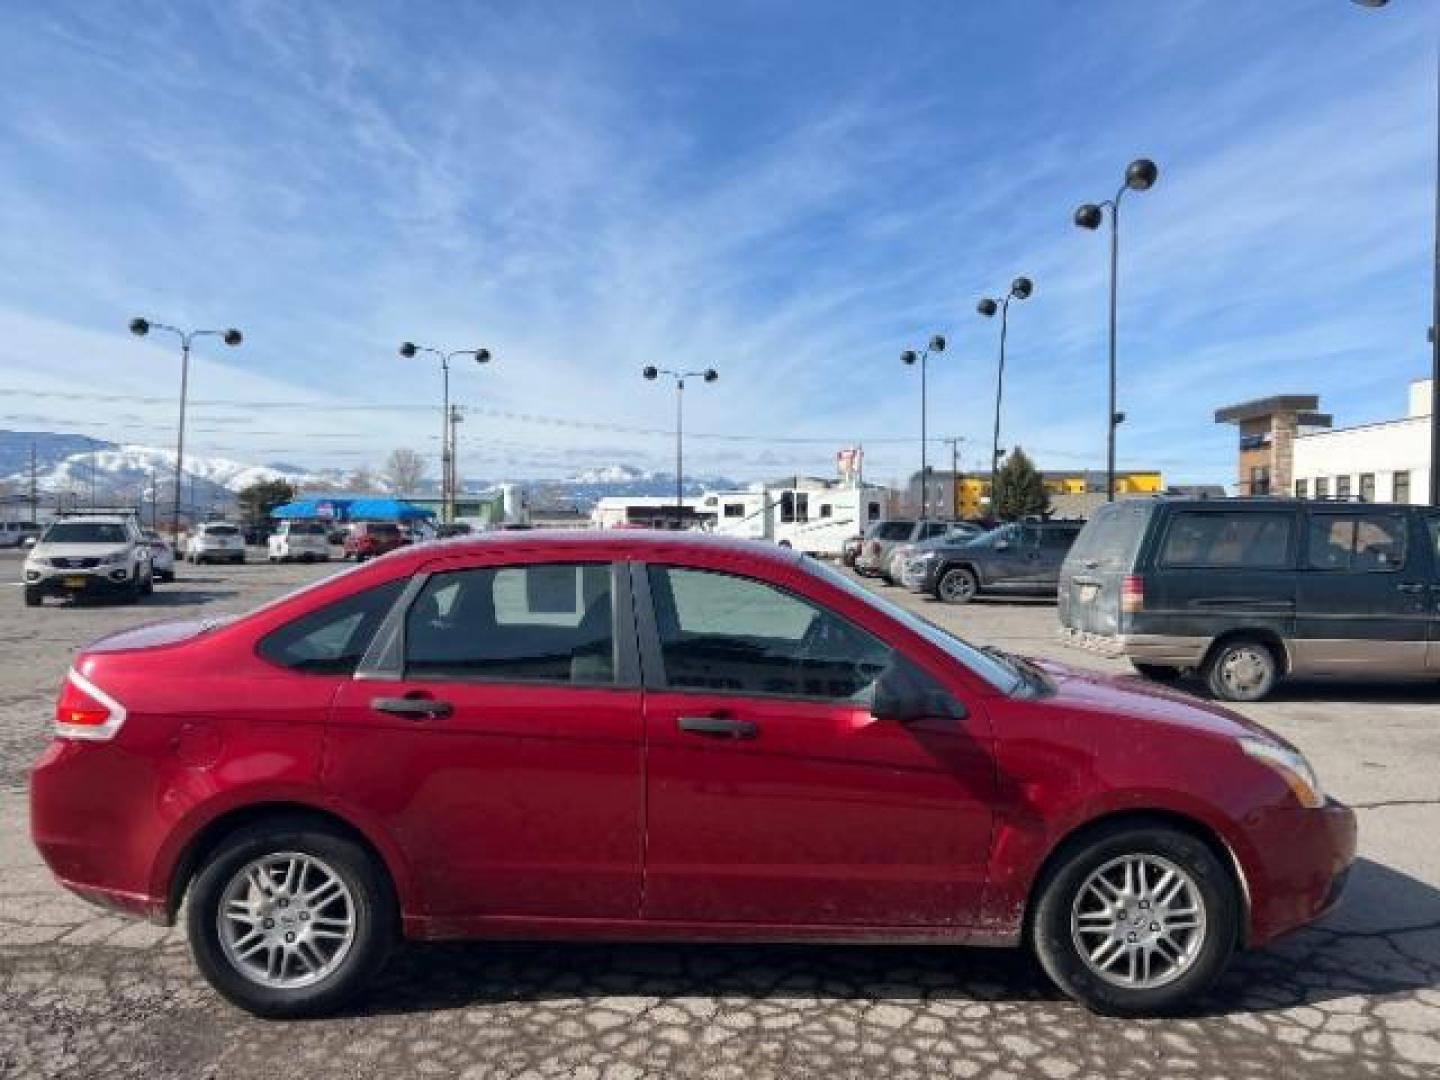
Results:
215 541
89 555
302 540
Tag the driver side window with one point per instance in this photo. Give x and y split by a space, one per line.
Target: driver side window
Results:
723 633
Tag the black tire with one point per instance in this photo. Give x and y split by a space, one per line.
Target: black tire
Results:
33 597
1156 672
374 913
133 591
1055 941
1241 669
957 585
147 585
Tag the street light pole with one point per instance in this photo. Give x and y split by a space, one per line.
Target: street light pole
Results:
1140 175
909 357
709 375
408 350
232 337
1020 289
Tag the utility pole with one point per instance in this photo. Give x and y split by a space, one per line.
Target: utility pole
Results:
452 461
34 487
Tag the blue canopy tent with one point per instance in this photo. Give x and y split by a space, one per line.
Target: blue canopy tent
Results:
352 510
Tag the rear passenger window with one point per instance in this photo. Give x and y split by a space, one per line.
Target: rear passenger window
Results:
550 622
1358 542
333 640
1219 540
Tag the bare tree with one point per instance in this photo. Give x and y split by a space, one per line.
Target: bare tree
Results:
362 479
405 469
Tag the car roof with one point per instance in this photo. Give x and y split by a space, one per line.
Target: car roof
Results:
92 519
636 542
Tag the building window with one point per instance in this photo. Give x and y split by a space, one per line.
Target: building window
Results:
734 510
1367 487
1400 493
1342 488
1302 489
1259 480
1322 488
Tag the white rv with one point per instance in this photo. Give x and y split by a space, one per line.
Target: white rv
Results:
813 516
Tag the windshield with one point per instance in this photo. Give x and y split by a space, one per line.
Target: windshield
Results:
892 530
301 529
85 532
992 669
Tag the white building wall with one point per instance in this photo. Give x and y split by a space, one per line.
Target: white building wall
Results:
1379 449
1419 397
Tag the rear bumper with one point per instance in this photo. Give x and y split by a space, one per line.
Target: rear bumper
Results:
1170 650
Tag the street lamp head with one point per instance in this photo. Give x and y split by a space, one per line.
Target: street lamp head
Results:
1089 216
908 356
711 374
1140 174
407 350
1021 288
139 327
651 372
987 307
937 343
233 337
482 356
1372 3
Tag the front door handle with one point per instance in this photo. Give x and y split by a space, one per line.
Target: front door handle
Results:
413 708
1410 587
719 727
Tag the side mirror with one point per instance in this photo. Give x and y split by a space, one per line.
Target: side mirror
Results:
1002 545
904 695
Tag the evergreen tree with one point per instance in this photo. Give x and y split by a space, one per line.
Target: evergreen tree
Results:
1019 489
257 500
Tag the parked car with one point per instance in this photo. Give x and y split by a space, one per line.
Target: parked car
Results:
89 555
1021 557
525 734
162 556
851 550
453 529
366 539
15 533
884 535
1248 592
898 561
303 541
215 541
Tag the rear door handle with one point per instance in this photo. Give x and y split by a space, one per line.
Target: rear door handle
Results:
719 727
1410 587
414 708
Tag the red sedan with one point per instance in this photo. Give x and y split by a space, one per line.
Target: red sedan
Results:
647 736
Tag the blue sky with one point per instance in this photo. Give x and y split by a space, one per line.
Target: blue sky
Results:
789 193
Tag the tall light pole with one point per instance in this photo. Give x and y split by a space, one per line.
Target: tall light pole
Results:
1434 296
909 358
709 375
232 337
1140 175
447 453
1020 289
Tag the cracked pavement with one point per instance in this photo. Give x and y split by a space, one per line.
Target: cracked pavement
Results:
87 994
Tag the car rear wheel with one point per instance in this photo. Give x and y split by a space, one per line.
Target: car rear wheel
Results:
958 585
1241 670
290 919
1137 920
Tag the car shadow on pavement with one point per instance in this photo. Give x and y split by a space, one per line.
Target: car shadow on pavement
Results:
1384 940
1336 691
181 595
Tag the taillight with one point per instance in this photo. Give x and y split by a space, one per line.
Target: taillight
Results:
1132 594
84 711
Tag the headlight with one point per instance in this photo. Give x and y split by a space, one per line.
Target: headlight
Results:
115 558
927 556
37 561
1292 767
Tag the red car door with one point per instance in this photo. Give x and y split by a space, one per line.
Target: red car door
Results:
501 748
774 796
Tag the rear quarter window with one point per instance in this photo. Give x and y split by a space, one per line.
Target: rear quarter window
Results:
1218 540
332 640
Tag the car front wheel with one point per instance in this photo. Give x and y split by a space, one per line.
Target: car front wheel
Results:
958 585
1137 920
290 919
32 597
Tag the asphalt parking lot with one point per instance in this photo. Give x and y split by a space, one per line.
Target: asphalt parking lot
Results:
83 993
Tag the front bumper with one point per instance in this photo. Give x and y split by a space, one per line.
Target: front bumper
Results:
1302 864
99 581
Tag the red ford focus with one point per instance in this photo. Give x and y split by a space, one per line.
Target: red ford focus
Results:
648 736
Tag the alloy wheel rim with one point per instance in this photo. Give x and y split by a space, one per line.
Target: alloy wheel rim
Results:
1138 922
1244 670
286 920
956 585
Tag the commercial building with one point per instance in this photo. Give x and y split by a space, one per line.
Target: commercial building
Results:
1073 492
1388 461
1268 430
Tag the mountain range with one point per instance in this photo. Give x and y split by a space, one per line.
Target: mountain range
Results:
99 471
